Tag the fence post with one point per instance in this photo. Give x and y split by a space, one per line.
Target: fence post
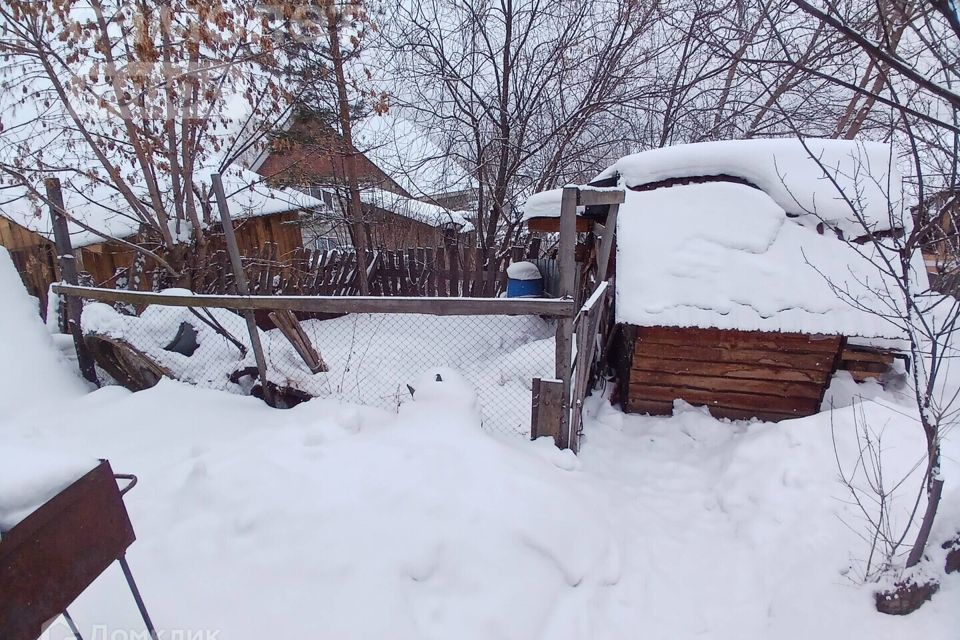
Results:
606 244
568 267
546 409
230 239
68 273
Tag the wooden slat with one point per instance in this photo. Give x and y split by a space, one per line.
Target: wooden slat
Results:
723 384
856 365
748 401
666 408
862 376
758 340
552 225
443 286
731 370
290 328
431 267
422 271
866 356
546 409
589 196
788 359
453 258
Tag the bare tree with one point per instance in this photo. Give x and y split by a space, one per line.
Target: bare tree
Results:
912 50
136 100
520 92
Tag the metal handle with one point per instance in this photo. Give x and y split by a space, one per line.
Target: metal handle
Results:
126 476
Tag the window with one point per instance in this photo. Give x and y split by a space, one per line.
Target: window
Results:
325 243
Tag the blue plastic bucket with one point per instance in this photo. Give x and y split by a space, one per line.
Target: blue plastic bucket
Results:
524 288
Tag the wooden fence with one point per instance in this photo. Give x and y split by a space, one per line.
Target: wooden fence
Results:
591 329
450 271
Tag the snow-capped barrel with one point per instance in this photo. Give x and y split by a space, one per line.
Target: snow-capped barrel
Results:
524 280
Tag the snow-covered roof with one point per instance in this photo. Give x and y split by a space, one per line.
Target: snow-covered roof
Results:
545 204
802 177
425 212
104 209
726 255
408 155
402 151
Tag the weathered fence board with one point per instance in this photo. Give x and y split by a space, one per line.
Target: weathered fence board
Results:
442 306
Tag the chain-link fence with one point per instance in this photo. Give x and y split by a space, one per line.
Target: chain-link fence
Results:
375 359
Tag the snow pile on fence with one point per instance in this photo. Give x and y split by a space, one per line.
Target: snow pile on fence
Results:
725 255
832 181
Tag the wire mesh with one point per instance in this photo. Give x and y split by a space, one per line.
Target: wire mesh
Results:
367 359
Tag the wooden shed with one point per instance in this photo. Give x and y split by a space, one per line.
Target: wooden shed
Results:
261 215
734 287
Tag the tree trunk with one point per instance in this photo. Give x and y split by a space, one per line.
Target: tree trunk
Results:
355 214
934 492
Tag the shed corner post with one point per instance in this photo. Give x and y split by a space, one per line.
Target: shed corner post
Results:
568 267
68 272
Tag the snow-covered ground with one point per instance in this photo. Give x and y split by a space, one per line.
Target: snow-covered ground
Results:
333 520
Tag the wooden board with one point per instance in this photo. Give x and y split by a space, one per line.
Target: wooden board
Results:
732 370
552 225
657 408
728 339
732 400
737 374
723 384
709 353
336 304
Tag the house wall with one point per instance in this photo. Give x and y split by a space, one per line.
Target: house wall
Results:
252 233
737 374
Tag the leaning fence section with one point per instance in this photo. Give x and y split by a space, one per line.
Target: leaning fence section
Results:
371 351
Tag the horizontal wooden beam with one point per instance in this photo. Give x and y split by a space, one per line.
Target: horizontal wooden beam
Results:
723 384
546 224
732 400
335 304
756 357
659 408
734 339
731 370
590 196
867 356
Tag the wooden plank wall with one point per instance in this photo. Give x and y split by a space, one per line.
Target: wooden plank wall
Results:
736 374
33 256
865 362
450 271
